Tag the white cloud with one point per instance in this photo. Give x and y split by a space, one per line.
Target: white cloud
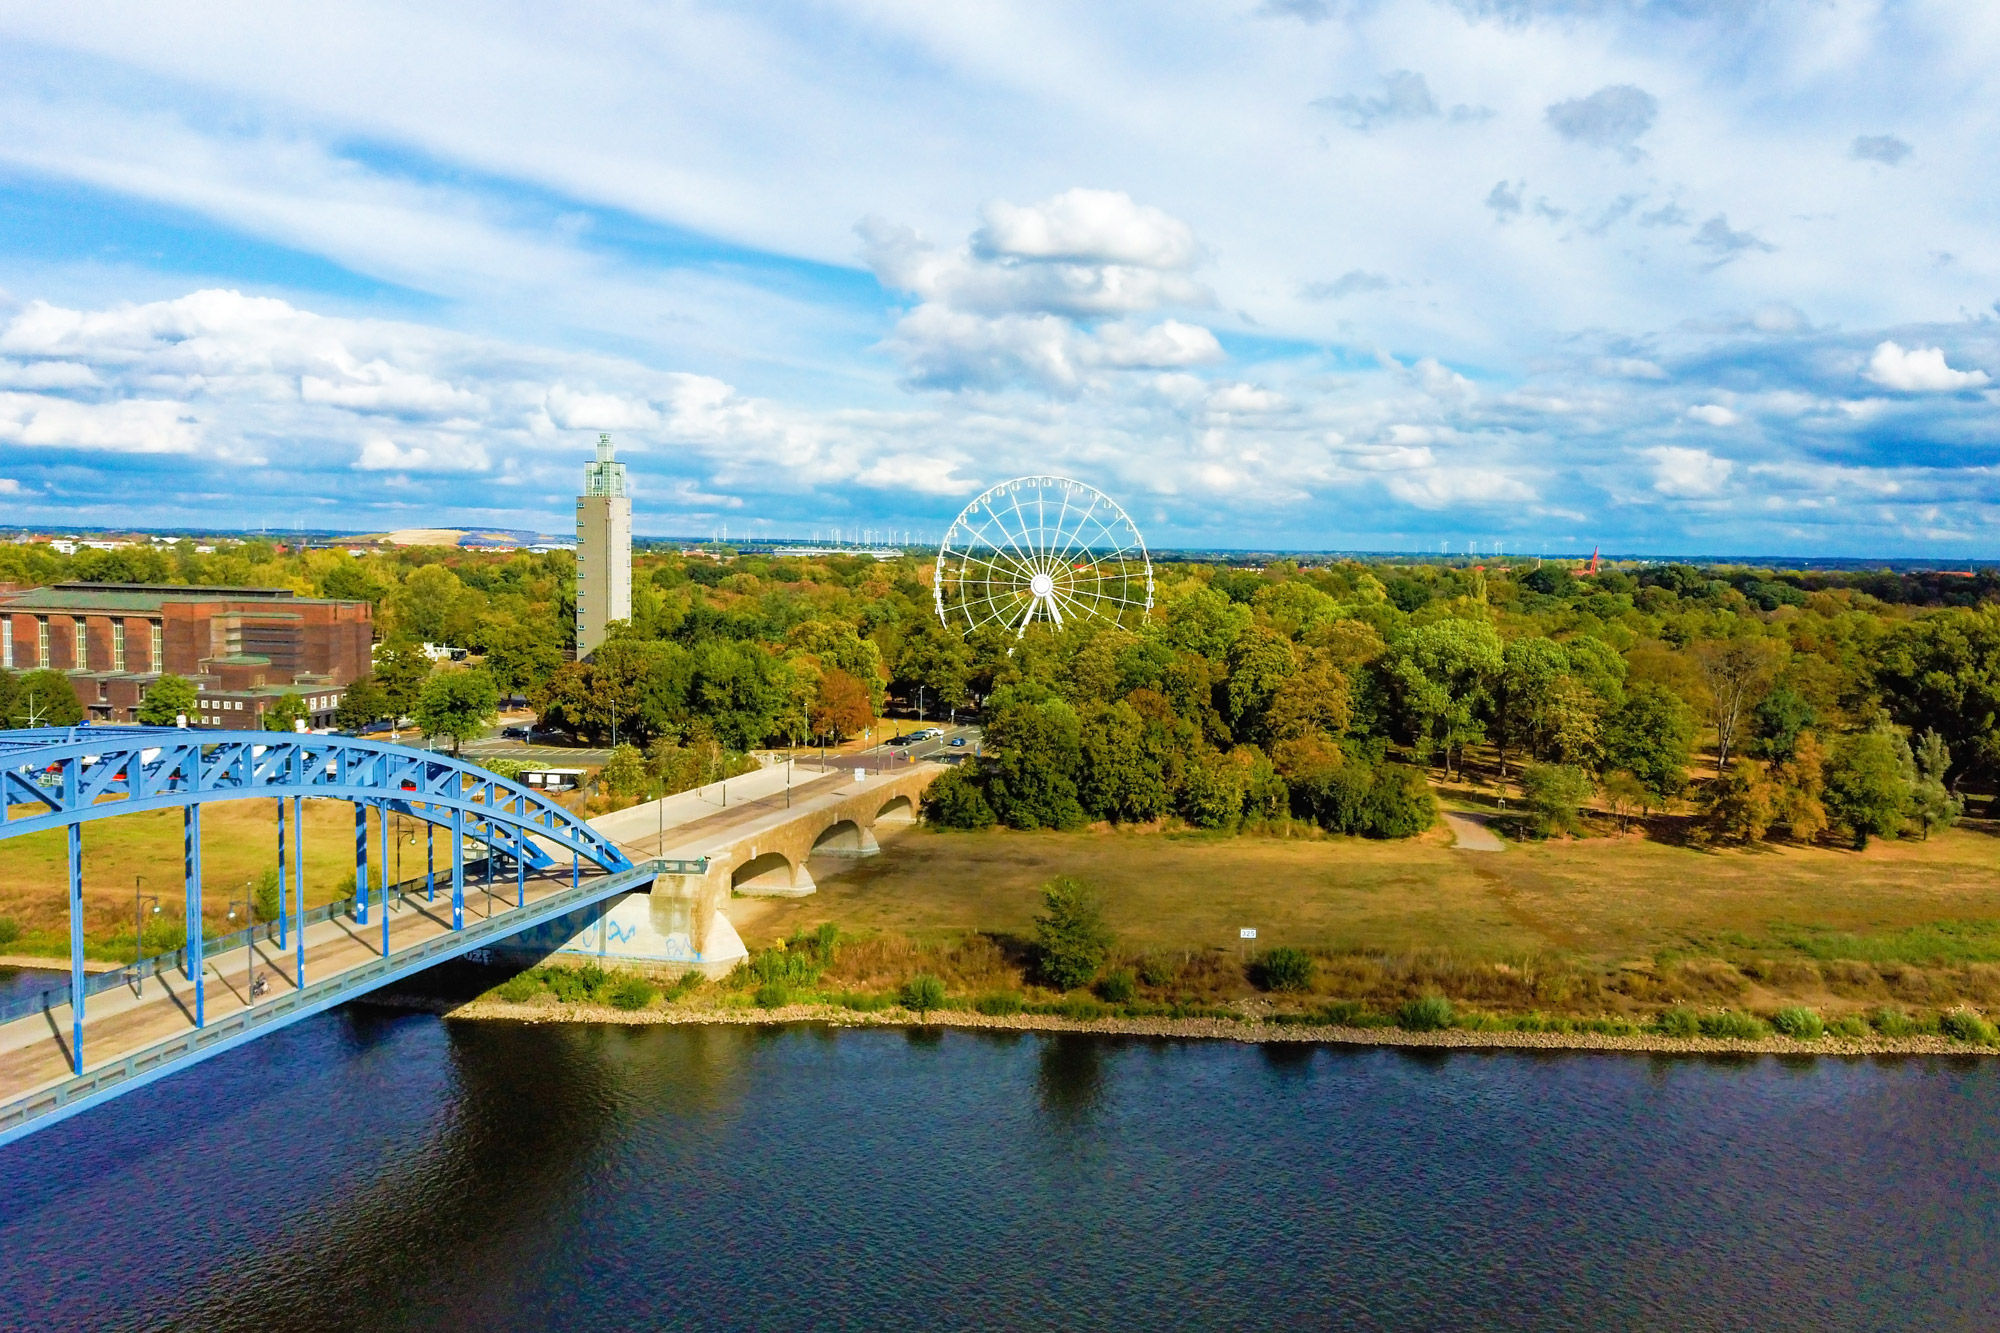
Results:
139 426
1918 370
1247 399
9 486
1712 414
572 409
1688 473
1438 487
1083 226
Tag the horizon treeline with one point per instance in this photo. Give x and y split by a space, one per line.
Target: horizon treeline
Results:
1813 702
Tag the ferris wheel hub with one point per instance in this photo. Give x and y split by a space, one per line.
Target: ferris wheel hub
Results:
1042 585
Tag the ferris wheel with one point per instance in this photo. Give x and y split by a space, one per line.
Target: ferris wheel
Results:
1042 548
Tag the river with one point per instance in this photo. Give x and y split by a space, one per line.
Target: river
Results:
377 1170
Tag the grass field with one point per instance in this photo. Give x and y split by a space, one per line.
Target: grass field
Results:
1596 921
239 840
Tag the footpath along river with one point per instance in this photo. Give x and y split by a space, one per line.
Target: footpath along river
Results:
380 1170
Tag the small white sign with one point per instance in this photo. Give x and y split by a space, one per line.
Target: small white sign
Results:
1248 932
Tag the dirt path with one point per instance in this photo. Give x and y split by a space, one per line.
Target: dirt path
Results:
1471 833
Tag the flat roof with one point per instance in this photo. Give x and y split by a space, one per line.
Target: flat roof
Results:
65 598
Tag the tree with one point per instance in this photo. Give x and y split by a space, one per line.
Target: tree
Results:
460 704
1034 756
1555 794
957 800
1071 938
939 662
625 774
360 705
1741 804
1931 802
1213 790
1801 780
1941 672
1438 677
841 706
169 698
1260 662
1315 701
1735 671
1627 796
1649 736
287 713
1120 777
1869 783
44 698
401 668
1777 720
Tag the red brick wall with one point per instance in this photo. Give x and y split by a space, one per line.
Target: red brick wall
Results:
97 637
62 643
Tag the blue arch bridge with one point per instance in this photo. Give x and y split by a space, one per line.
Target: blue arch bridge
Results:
535 863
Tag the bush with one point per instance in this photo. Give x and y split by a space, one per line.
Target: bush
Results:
10 930
922 993
999 1004
1679 1021
957 799
1555 794
1345 1014
1853 1027
1893 1022
773 995
633 992
519 989
1080 1008
1070 935
1426 1013
861 1002
1799 1023
1285 969
1118 987
1965 1025
573 985
1729 1023
1157 970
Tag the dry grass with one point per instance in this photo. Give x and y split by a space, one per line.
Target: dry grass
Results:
1599 925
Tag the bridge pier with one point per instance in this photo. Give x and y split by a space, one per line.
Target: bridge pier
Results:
299 884
76 946
361 863
191 863
457 868
284 895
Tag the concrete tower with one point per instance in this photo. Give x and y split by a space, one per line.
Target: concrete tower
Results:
603 550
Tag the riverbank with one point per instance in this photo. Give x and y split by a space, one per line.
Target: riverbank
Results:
1248 1029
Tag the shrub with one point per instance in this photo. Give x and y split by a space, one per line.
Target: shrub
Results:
999 1004
1893 1022
1965 1025
1156 970
1118 987
1853 1026
1070 935
688 983
922 993
633 992
1343 1013
1426 1013
10 930
861 1002
773 995
519 989
1080 1008
573 985
1799 1023
1285 969
1555 794
1729 1023
1679 1021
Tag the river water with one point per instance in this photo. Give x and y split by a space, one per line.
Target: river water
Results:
375 1170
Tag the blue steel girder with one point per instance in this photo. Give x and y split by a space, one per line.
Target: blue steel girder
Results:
54 777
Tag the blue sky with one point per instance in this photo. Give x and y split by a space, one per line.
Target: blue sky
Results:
1529 274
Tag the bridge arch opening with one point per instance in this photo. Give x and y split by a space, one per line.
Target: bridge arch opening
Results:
899 810
844 838
771 875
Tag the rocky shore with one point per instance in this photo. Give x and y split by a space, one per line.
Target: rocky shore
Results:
1249 1029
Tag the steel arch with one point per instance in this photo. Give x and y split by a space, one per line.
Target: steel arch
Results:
66 776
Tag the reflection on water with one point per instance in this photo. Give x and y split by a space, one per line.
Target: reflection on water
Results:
18 982
373 1171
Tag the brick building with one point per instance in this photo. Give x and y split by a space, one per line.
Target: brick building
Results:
244 648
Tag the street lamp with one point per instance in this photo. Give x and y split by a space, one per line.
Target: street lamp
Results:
249 906
139 902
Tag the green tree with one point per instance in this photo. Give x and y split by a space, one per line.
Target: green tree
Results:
957 800
1204 621
1438 676
1260 662
1869 783
1555 794
625 774
168 698
1736 672
939 662
1650 736
1932 804
1777 720
1941 672
44 698
1071 939
460 704
1213 790
286 713
401 670
1317 701
360 704
1034 753
1120 776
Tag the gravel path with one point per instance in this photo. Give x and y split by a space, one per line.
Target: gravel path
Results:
1471 833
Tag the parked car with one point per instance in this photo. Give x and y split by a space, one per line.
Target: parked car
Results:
517 733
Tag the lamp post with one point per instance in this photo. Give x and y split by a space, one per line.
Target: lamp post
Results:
249 906
139 902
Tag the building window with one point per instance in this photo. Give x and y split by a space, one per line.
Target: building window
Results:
156 662
7 642
117 645
42 641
